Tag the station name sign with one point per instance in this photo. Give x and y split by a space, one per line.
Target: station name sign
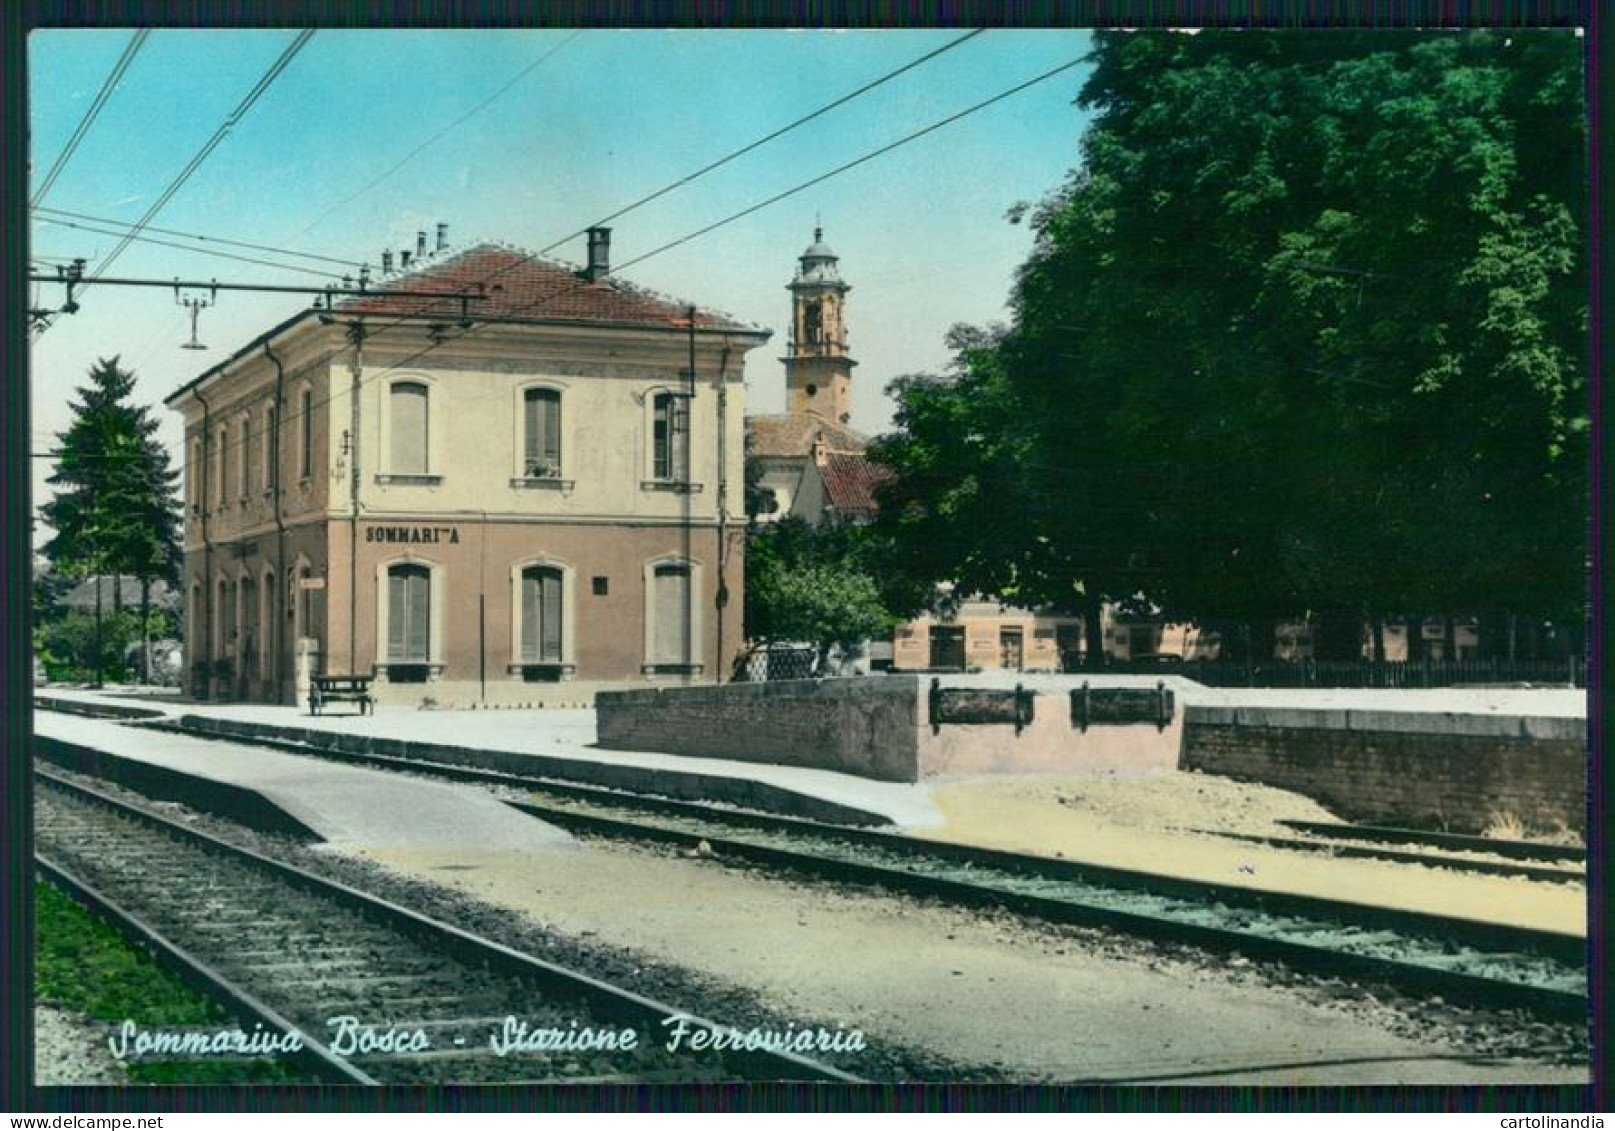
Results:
412 534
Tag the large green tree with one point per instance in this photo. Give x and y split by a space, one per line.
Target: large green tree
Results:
115 512
1302 333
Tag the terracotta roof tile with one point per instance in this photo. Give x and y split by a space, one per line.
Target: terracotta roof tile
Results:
851 483
522 285
793 434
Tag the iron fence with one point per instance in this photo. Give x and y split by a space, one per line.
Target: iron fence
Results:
777 663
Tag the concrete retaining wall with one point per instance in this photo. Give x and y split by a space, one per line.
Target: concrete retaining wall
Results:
1458 772
878 727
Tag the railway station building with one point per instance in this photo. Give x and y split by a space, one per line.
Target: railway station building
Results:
516 498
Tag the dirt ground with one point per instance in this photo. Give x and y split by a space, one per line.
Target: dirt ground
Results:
70 1049
1148 823
974 987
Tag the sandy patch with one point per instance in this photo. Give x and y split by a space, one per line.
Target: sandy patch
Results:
1145 823
974 987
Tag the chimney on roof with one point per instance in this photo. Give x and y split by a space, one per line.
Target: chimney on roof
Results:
420 245
387 263
599 254
403 260
442 236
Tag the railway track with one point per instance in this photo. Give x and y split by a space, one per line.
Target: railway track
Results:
294 952
1463 961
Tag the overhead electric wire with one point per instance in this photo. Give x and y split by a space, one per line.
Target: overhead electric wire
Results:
202 154
772 135
130 50
853 164
477 109
324 274
201 236
444 340
783 130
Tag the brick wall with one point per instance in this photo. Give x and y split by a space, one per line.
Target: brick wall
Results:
1456 772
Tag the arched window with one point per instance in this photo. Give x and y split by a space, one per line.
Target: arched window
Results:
541 432
541 615
409 613
407 425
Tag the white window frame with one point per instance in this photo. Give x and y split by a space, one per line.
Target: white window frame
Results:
434 431
697 664
518 461
569 610
434 624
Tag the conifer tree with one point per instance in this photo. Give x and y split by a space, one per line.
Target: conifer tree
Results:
115 512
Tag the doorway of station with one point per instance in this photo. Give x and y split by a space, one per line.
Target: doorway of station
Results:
948 646
1011 648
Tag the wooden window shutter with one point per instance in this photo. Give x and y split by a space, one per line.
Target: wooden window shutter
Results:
397 614
408 424
550 620
542 432
671 596
420 615
530 615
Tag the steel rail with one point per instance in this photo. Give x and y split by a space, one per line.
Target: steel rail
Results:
1516 849
1492 992
608 1000
1369 852
236 1000
1559 945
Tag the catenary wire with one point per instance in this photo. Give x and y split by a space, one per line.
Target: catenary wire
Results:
783 130
130 50
246 104
202 237
447 339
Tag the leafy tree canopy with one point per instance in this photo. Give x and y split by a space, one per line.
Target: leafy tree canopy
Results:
1303 332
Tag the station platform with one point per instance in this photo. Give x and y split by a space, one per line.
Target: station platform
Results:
556 743
1166 823
346 807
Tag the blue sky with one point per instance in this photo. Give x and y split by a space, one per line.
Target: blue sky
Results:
609 117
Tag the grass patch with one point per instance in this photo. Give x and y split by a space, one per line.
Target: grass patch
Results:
84 965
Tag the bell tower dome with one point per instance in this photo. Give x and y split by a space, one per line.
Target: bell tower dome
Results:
818 372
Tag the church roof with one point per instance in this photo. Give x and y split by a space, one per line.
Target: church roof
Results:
794 434
851 483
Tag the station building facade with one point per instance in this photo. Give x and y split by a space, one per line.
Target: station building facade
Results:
547 500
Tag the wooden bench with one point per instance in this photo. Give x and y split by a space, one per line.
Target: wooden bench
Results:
323 689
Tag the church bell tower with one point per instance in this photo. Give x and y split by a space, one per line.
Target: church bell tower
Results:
818 372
